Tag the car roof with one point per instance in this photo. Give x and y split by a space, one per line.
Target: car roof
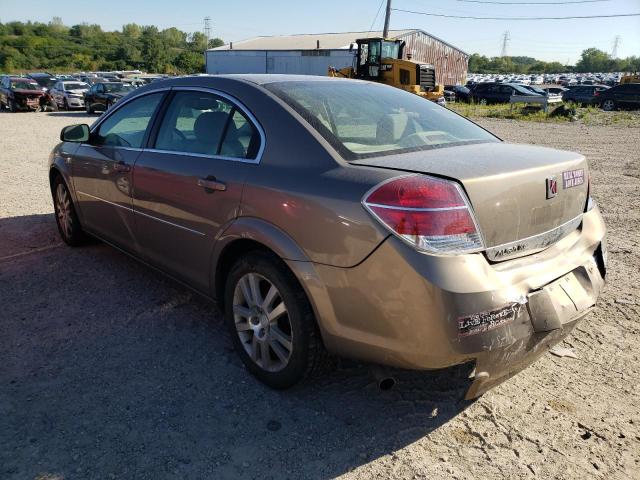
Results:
12 77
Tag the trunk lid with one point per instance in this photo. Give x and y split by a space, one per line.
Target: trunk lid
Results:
510 188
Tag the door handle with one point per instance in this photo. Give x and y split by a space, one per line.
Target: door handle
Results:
211 184
121 167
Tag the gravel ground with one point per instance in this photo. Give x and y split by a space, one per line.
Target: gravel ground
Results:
109 370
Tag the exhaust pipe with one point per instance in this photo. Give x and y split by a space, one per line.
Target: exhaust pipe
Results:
384 379
387 384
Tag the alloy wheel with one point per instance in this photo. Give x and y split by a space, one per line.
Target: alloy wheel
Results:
608 105
262 322
63 210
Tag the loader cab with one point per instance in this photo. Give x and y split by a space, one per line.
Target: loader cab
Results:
371 52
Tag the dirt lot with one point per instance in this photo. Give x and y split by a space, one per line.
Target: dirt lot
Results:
108 370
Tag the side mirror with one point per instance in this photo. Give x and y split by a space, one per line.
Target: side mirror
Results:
75 133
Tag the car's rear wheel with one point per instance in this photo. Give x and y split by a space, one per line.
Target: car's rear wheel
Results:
271 321
66 217
12 105
88 108
608 105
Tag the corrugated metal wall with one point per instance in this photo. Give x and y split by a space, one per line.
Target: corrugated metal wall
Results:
450 63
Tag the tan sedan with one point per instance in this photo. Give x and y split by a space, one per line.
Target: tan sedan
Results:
332 216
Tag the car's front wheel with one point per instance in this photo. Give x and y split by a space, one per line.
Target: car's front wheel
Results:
66 217
271 321
608 105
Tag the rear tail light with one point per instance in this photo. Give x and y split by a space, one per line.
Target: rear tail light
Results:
429 213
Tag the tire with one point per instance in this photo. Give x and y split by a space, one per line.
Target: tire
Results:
65 105
291 341
608 105
88 108
107 106
66 217
483 101
12 106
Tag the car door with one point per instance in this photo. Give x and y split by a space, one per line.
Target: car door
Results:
102 169
624 94
90 95
188 183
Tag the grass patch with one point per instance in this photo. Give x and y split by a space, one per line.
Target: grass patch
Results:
558 114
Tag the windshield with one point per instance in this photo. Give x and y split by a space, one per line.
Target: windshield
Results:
75 86
24 85
390 49
117 87
366 119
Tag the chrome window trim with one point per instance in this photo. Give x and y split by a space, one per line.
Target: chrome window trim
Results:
237 103
202 155
535 243
142 213
239 106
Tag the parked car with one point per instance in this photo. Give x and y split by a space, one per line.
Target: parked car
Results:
341 216
102 95
69 94
626 95
555 90
19 93
45 80
459 93
584 94
486 93
551 97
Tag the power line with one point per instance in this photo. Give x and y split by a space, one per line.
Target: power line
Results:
518 18
532 3
376 17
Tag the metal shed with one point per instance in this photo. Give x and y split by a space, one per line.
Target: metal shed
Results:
312 54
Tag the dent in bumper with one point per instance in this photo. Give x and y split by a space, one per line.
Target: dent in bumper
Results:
400 307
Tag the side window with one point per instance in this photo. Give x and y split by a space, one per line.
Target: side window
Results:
203 123
127 125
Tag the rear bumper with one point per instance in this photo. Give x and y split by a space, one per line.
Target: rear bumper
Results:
403 308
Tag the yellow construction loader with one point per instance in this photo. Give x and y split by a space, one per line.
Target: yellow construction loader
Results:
630 78
380 60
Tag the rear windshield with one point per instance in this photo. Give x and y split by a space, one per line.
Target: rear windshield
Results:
362 119
24 85
117 87
76 86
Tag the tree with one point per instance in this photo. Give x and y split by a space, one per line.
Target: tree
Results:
189 62
594 60
198 42
216 42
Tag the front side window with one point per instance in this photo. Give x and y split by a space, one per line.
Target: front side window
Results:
206 124
126 126
366 119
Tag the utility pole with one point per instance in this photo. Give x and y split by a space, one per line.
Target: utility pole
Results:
207 29
616 44
387 17
506 37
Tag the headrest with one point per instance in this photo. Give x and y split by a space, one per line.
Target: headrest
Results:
391 127
208 127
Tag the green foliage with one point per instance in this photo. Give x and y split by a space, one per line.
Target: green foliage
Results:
592 60
29 46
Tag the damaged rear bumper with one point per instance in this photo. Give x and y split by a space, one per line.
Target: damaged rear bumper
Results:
406 309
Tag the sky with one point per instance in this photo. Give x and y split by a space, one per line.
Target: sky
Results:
234 20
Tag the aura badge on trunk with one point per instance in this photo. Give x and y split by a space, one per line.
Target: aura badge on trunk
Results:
552 187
